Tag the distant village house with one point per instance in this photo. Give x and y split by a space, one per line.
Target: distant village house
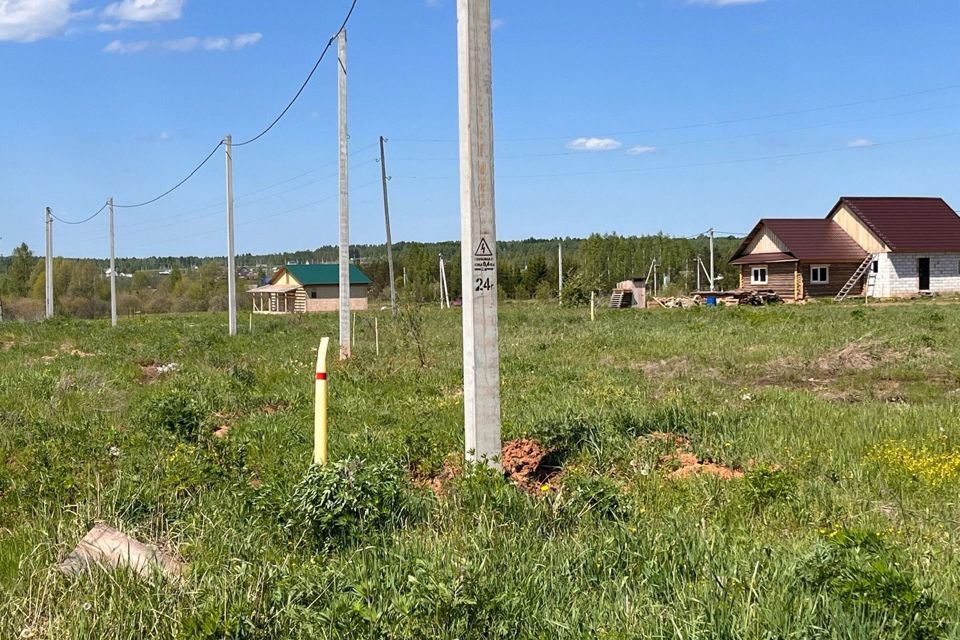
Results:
884 247
309 288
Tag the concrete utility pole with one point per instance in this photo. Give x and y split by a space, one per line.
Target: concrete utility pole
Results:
48 267
444 287
386 217
712 276
231 257
113 271
697 268
560 272
481 354
345 347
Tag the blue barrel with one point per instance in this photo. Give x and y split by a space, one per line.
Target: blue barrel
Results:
711 301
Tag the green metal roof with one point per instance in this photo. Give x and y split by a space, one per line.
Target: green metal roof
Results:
321 274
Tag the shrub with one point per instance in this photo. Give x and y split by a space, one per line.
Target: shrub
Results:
856 568
344 500
764 485
177 411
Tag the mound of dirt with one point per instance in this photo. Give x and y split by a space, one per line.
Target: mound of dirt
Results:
684 463
528 464
438 483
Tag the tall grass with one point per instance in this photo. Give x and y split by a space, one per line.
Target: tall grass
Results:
828 534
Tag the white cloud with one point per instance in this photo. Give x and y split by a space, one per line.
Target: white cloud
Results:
246 39
184 45
640 149
497 23
434 4
860 143
120 47
594 144
724 3
30 20
144 10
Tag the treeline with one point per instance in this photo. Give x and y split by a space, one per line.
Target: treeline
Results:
526 269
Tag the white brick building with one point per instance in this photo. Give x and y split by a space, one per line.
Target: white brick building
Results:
915 243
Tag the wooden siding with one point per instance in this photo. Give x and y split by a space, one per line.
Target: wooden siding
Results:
839 274
766 242
862 235
780 278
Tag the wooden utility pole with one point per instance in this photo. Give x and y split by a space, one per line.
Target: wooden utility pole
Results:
231 257
386 218
345 346
481 355
113 271
48 267
713 278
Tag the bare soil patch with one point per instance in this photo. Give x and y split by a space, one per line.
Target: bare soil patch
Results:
529 465
683 463
438 483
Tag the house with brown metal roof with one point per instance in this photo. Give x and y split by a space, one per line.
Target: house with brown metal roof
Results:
883 247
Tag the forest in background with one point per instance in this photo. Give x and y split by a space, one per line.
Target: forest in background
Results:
526 269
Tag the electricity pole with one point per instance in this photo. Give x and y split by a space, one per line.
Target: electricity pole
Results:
712 276
48 267
560 272
481 355
231 258
386 217
344 200
113 272
444 287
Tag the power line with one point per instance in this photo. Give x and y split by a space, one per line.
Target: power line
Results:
669 145
174 187
87 219
697 125
303 86
696 165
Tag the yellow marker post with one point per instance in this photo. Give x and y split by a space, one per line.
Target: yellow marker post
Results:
320 411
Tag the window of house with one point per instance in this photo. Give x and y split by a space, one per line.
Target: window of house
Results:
876 266
819 274
758 275
313 295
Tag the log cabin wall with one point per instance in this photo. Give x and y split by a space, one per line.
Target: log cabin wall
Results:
780 278
839 273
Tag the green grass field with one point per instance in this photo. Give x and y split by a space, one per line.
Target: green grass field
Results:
838 425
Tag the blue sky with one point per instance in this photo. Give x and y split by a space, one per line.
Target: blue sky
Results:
613 116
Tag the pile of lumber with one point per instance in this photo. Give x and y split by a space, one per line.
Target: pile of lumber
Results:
679 302
727 298
754 298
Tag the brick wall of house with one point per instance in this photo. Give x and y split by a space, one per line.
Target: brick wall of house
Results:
898 274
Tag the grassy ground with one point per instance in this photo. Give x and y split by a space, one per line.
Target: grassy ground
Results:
843 524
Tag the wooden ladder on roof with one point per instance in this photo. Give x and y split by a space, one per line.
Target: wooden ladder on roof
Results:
855 278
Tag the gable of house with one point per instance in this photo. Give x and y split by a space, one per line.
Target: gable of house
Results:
857 229
898 224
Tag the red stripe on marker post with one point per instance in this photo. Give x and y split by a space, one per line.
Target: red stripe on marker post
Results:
321 376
